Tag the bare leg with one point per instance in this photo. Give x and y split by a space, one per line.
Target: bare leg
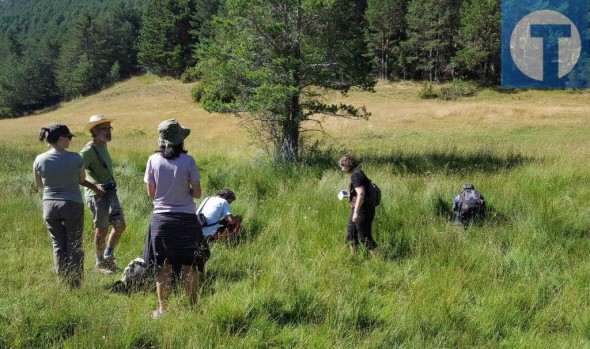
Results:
191 283
100 240
116 232
163 285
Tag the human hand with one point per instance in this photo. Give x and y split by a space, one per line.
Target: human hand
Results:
100 190
355 217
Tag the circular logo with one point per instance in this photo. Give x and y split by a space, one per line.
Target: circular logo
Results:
527 52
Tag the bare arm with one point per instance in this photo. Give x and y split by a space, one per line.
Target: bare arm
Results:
360 198
196 189
38 179
233 219
151 190
85 183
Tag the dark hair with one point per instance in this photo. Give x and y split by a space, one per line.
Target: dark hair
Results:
227 194
348 161
45 134
172 152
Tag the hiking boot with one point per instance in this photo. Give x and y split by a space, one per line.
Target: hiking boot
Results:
107 265
103 267
111 264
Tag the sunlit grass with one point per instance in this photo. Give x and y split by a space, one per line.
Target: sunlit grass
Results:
519 280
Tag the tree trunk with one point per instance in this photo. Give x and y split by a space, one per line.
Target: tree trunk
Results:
288 148
383 72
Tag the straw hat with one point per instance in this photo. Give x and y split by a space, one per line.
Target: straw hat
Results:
95 120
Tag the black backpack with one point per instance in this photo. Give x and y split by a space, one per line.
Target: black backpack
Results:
471 202
374 194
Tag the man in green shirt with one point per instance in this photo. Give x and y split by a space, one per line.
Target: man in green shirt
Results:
106 209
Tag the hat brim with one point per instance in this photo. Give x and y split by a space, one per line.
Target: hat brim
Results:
177 140
91 125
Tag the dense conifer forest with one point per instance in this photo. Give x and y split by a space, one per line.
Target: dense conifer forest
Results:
55 50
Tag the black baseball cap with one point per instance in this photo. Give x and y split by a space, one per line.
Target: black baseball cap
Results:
60 130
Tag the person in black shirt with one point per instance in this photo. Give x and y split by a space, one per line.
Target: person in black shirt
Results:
362 213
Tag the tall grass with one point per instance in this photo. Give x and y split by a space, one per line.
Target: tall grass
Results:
517 280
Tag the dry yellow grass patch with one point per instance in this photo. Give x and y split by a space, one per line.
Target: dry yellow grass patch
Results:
398 114
139 105
398 111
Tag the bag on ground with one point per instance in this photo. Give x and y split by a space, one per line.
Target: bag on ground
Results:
134 276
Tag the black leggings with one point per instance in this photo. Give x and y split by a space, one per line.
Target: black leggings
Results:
362 228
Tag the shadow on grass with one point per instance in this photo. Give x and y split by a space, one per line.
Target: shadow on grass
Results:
444 209
510 91
455 162
451 162
397 247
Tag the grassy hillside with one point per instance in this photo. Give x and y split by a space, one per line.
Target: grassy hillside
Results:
518 281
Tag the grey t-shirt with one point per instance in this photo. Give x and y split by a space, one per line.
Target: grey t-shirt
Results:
60 173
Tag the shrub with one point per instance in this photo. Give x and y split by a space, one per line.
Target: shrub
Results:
6 113
197 93
427 91
192 74
458 88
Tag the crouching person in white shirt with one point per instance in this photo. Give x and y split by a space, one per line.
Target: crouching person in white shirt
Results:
216 218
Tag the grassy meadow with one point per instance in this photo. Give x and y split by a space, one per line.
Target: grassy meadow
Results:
520 280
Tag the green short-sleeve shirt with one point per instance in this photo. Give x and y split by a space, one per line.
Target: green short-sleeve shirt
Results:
95 169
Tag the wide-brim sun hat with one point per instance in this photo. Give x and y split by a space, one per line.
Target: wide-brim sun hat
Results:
95 120
170 133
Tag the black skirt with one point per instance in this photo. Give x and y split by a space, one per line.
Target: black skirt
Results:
176 238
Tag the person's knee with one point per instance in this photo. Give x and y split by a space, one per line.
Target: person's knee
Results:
119 226
101 232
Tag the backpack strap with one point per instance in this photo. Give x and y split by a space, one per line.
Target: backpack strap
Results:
203 205
104 163
205 218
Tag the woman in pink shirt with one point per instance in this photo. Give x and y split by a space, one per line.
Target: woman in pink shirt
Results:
173 180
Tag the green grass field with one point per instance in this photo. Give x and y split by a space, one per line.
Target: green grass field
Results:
521 280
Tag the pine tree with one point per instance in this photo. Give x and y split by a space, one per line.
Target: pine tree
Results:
270 59
26 78
166 38
83 64
431 27
386 29
120 26
479 44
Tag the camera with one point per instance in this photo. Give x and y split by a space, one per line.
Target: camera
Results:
109 186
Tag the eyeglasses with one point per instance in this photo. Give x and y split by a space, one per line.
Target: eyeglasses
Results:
107 128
